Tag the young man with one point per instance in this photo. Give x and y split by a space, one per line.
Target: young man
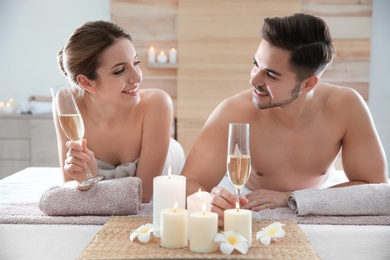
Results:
297 124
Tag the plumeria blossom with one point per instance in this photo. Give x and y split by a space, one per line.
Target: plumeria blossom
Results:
275 230
230 240
143 233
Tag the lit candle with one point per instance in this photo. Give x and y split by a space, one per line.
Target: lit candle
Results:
2 105
151 55
196 200
203 229
162 58
172 55
239 220
174 227
167 190
8 108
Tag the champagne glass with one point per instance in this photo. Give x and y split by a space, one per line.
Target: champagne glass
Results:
72 124
239 160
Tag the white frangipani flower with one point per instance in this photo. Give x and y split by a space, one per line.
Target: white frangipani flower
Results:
143 233
230 240
275 230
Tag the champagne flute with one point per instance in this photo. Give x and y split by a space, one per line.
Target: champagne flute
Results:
239 160
72 125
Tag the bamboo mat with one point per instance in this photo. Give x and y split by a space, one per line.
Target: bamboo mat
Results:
112 242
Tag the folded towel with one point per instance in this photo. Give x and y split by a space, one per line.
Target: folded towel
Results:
109 197
365 199
40 108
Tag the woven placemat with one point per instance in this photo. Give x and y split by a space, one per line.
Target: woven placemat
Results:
112 242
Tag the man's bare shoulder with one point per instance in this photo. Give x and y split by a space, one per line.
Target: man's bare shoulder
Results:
337 96
234 108
242 99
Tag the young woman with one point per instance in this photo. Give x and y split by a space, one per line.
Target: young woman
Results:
127 129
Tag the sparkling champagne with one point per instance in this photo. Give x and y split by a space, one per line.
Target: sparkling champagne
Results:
72 125
239 168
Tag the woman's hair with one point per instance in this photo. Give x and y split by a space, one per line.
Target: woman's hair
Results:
307 38
81 54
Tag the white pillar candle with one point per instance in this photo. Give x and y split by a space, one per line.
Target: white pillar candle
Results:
174 227
162 57
203 229
172 55
151 55
240 221
2 105
196 200
166 191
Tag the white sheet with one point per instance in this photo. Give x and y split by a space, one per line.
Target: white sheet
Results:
67 241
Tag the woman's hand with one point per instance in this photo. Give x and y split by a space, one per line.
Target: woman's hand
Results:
75 157
266 199
222 199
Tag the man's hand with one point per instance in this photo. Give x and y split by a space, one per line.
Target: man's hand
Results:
266 199
221 200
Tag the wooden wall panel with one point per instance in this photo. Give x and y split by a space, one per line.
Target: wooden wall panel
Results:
350 25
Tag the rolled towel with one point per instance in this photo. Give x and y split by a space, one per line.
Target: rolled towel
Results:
365 199
121 196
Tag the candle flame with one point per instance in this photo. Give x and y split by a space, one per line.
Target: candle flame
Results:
204 208
162 53
175 206
169 171
2 104
198 194
8 104
151 48
173 49
238 206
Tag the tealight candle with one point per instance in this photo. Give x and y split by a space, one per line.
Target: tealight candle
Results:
203 229
174 227
172 55
151 55
167 190
196 201
162 58
239 220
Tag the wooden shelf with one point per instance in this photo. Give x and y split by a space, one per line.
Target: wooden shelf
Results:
162 65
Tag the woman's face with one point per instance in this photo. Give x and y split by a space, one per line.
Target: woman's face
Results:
119 74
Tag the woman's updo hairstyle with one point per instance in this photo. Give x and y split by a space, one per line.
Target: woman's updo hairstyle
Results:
81 54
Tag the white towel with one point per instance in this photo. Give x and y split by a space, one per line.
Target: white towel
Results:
175 158
365 199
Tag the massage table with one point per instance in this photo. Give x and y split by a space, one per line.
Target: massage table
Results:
50 241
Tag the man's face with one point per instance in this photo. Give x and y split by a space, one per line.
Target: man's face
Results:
274 83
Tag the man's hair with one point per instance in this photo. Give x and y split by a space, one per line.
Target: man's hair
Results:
307 38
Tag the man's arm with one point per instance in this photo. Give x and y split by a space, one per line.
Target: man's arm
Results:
362 152
206 163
